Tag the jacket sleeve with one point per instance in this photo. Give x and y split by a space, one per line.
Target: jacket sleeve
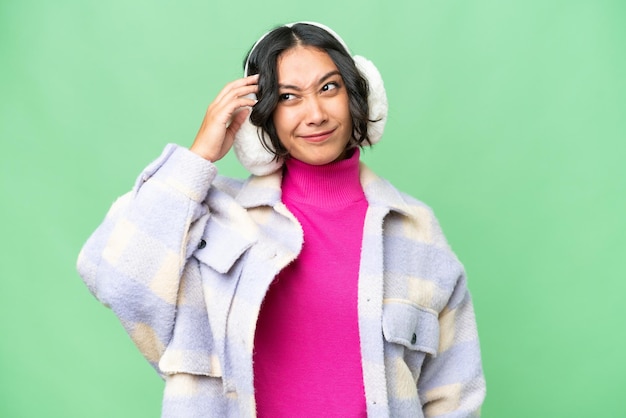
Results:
452 384
134 260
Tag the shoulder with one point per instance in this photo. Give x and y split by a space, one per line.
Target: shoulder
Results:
405 207
228 185
409 217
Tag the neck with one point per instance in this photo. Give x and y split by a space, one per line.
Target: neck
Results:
330 185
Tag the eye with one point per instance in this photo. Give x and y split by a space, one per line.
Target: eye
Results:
330 86
285 97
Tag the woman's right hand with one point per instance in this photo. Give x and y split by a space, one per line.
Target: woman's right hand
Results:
224 117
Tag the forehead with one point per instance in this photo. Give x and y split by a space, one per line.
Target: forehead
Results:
303 65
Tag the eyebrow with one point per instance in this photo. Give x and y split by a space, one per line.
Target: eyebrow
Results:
320 81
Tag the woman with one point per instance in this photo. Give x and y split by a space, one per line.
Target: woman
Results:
314 288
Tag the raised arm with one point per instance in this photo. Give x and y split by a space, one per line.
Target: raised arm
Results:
135 259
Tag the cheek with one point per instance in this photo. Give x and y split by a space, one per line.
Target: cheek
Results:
346 116
282 119
343 108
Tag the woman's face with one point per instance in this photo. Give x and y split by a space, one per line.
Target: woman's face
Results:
312 117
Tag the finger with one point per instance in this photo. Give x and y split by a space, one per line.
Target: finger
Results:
228 112
223 112
237 84
238 119
248 91
244 96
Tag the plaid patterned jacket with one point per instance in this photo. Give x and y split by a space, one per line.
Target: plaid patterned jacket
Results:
184 260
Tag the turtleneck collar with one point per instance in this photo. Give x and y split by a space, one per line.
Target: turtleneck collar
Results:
331 185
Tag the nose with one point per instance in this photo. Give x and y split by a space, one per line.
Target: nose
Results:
315 111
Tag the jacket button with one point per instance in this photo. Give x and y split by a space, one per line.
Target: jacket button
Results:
413 338
201 244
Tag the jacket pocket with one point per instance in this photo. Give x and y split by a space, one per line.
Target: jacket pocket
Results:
411 326
221 246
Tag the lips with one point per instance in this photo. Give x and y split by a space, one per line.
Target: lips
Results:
318 136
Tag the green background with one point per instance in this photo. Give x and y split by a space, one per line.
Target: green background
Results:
507 117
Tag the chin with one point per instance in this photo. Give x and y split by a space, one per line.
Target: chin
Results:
324 159
321 154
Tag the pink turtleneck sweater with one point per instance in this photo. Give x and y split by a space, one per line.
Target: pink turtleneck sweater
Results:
307 359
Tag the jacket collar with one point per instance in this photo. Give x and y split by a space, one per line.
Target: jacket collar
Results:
266 191
261 190
380 193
